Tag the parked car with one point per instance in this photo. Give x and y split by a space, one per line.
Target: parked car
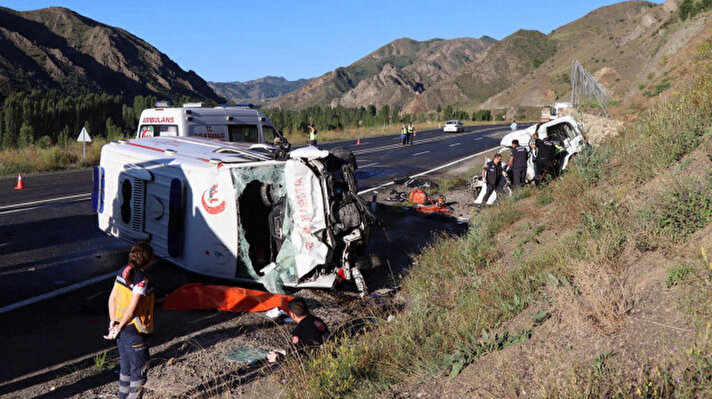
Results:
453 126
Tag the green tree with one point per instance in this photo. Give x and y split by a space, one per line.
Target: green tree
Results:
448 113
26 137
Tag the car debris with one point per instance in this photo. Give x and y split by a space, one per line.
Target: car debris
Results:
221 209
564 130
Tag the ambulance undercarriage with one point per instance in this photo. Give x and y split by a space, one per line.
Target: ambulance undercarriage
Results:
224 210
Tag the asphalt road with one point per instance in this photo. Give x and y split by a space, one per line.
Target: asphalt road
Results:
48 234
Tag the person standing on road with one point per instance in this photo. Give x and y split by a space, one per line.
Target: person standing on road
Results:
518 164
513 126
409 133
404 135
131 310
492 176
312 135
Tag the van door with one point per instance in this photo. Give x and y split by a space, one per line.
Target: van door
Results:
272 137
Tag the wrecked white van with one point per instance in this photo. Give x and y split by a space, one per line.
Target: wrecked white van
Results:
564 131
223 210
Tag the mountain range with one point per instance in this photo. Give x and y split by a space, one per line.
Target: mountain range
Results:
633 48
56 48
257 91
636 49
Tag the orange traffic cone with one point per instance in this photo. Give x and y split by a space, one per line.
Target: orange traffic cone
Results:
19 185
358 141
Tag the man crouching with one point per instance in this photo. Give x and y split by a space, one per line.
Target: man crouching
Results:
310 331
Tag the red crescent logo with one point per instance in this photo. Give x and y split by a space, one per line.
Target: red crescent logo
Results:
211 201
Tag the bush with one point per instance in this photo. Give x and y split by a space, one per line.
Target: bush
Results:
482 115
676 274
681 210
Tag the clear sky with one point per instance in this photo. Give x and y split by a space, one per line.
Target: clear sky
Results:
241 40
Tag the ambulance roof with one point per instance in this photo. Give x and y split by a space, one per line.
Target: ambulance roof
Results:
190 150
200 111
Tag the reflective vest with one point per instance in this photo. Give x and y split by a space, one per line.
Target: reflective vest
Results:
144 314
410 128
312 135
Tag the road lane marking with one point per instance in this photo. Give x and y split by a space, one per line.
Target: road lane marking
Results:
368 190
479 138
370 164
23 204
454 145
27 206
422 141
420 153
63 290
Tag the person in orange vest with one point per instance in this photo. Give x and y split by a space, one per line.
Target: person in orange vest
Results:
131 309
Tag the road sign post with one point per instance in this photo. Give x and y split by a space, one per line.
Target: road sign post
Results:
84 139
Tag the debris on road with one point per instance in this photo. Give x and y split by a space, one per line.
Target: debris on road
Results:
246 355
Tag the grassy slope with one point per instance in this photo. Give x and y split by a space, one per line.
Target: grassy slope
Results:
597 252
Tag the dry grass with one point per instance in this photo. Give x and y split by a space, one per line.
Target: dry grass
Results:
460 288
40 159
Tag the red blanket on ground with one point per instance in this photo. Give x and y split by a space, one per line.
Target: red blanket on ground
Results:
221 297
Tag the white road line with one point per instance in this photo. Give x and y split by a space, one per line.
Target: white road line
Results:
420 153
368 165
454 144
418 142
30 208
479 138
66 197
368 190
63 290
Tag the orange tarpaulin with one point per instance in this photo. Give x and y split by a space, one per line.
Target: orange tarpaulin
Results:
433 209
221 297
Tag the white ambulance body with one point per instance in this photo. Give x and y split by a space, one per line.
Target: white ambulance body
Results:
223 210
240 124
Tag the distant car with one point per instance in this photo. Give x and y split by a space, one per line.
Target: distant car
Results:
453 126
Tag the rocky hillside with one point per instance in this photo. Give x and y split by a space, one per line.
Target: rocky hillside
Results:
258 90
502 64
392 75
56 48
636 49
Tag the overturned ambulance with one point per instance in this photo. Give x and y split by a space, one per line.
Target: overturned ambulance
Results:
223 210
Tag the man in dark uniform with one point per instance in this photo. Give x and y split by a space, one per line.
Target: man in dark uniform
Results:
310 331
534 143
518 164
492 175
546 152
